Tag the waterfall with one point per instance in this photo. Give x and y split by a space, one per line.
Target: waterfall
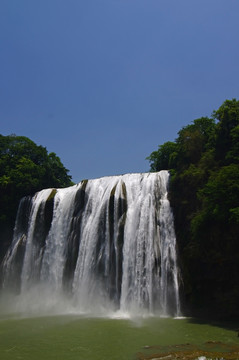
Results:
103 245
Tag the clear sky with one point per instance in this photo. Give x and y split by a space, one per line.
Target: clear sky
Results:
102 83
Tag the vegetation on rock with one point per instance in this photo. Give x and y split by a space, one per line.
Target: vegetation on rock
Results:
25 168
204 193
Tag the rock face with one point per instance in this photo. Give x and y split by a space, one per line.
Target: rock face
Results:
104 243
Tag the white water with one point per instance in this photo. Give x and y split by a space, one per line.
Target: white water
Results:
109 247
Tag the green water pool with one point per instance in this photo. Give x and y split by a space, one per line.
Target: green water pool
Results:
74 337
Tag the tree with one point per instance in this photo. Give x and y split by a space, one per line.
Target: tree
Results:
204 194
194 139
25 168
227 135
164 158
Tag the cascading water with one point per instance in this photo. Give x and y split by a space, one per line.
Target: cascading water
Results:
103 245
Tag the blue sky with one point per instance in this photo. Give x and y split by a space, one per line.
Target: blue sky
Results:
102 83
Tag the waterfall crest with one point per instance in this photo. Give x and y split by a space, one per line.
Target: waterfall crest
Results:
103 245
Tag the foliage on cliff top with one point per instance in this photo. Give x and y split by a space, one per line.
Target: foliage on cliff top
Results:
204 164
24 169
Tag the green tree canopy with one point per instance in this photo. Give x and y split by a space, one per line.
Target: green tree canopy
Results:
194 139
164 157
24 169
204 193
227 131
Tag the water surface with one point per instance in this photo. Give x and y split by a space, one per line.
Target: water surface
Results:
73 337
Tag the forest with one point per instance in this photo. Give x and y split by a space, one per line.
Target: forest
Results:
204 193
25 168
